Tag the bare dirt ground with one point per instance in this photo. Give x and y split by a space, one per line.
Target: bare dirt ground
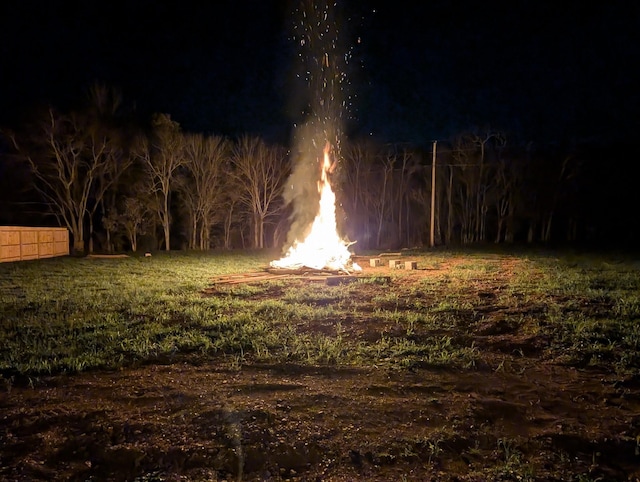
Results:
516 417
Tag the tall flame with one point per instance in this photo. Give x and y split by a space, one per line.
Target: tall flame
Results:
322 248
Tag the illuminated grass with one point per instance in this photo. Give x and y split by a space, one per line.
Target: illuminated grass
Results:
69 315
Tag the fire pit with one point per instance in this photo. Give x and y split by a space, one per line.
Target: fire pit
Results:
327 276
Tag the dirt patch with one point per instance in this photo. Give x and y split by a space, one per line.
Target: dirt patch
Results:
516 416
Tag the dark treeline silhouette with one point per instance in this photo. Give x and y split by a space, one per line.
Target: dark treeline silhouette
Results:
121 183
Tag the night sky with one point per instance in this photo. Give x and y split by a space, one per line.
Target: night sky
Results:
541 71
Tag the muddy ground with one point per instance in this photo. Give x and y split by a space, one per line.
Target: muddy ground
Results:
516 416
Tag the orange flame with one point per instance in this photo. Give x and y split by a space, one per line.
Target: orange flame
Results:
322 248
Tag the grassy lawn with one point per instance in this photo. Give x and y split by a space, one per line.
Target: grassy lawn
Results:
71 315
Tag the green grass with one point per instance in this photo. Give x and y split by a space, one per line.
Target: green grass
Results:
69 314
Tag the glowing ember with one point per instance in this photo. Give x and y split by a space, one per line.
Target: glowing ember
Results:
322 248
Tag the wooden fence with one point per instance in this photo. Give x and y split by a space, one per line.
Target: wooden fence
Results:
18 243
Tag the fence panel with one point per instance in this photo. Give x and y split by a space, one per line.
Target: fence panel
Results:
19 243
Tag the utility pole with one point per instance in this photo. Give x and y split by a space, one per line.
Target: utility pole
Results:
433 197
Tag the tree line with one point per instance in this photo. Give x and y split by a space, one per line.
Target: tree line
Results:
485 191
114 181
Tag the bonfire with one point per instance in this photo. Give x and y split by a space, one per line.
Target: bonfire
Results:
322 248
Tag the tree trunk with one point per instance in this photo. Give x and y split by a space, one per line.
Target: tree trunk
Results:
204 235
499 230
78 243
449 234
77 232
167 235
166 225
227 228
90 234
260 232
108 241
546 233
193 235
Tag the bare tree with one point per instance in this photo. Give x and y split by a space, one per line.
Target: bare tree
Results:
382 195
508 175
378 189
201 187
483 181
463 181
66 162
260 172
474 180
76 158
359 188
110 224
567 172
133 220
131 217
103 129
407 166
162 153
448 237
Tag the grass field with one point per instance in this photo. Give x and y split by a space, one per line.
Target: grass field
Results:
495 314
69 314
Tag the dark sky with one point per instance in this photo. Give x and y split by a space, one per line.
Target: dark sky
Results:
547 71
